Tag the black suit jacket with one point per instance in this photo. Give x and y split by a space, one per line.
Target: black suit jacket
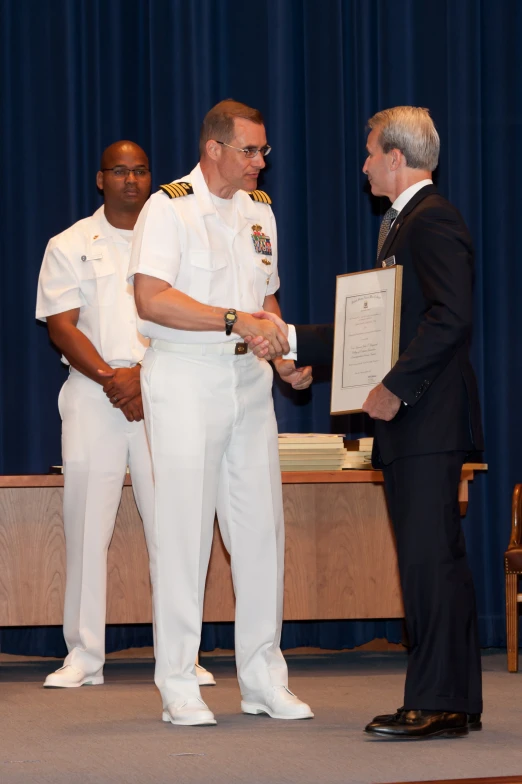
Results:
433 374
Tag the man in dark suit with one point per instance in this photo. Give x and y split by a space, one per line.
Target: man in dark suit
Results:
427 418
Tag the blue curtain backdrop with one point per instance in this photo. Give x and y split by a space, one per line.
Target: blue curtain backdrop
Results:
77 75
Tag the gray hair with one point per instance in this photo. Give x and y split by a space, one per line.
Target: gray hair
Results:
411 130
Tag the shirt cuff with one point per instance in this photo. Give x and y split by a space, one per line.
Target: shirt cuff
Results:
292 339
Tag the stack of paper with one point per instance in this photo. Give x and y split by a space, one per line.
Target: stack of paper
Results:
358 453
311 452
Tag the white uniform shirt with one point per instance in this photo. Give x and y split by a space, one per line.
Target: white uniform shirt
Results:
86 267
186 242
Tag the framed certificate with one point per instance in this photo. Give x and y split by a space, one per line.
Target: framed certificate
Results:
366 338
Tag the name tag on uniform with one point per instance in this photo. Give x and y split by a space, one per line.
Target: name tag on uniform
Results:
99 257
389 262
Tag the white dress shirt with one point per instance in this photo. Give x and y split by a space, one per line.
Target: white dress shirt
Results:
403 198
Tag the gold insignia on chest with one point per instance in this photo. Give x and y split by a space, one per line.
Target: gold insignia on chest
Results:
96 236
265 261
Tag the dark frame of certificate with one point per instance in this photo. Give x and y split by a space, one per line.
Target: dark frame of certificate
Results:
366 334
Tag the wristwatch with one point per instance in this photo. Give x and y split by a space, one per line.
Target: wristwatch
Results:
230 319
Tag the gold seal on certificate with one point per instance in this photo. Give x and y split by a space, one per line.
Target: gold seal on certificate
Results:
366 341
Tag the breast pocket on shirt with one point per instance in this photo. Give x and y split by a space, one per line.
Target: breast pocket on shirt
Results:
99 280
207 275
262 276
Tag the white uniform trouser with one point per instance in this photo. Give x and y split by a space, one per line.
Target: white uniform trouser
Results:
213 437
97 445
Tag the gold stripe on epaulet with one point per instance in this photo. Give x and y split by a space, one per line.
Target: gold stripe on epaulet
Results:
175 189
260 196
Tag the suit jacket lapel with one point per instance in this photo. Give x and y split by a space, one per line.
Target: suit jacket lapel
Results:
428 190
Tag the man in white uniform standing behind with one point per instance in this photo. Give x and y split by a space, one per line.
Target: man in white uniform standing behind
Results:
204 258
89 307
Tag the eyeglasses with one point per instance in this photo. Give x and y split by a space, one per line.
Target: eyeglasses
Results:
250 152
122 172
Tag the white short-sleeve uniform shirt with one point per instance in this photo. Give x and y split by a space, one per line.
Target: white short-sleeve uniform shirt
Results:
218 256
86 267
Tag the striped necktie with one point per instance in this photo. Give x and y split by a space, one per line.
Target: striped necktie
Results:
387 221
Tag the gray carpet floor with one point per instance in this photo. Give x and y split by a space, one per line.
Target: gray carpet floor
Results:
113 733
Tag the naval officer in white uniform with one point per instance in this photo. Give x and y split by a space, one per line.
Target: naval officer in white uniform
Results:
204 258
89 307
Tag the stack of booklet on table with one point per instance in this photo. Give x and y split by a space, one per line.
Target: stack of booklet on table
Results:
358 453
311 452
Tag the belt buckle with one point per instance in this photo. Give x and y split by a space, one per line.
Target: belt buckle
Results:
241 348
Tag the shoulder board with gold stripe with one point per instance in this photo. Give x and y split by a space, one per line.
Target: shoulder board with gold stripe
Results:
175 189
260 196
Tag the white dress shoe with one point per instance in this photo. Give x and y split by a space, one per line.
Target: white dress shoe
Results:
188 712
279 703
205 678
69 677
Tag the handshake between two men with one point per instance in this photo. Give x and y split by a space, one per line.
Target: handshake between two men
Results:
273 344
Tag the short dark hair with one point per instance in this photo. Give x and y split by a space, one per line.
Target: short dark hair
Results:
219 121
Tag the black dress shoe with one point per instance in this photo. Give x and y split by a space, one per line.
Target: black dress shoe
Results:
474 720
419 725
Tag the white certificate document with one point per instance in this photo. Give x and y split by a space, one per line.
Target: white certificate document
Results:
363 360
367 317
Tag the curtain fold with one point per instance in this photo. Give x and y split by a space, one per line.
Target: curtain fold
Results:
77 75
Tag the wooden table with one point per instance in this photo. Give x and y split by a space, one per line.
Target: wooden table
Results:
340 553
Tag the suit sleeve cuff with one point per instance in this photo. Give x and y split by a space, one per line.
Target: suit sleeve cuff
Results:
405 395
292 339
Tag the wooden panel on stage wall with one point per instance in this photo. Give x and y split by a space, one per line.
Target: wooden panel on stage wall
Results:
340 557
340 554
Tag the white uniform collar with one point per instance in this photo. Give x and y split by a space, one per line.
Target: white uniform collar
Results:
102 229
242 201
98 229
108 230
